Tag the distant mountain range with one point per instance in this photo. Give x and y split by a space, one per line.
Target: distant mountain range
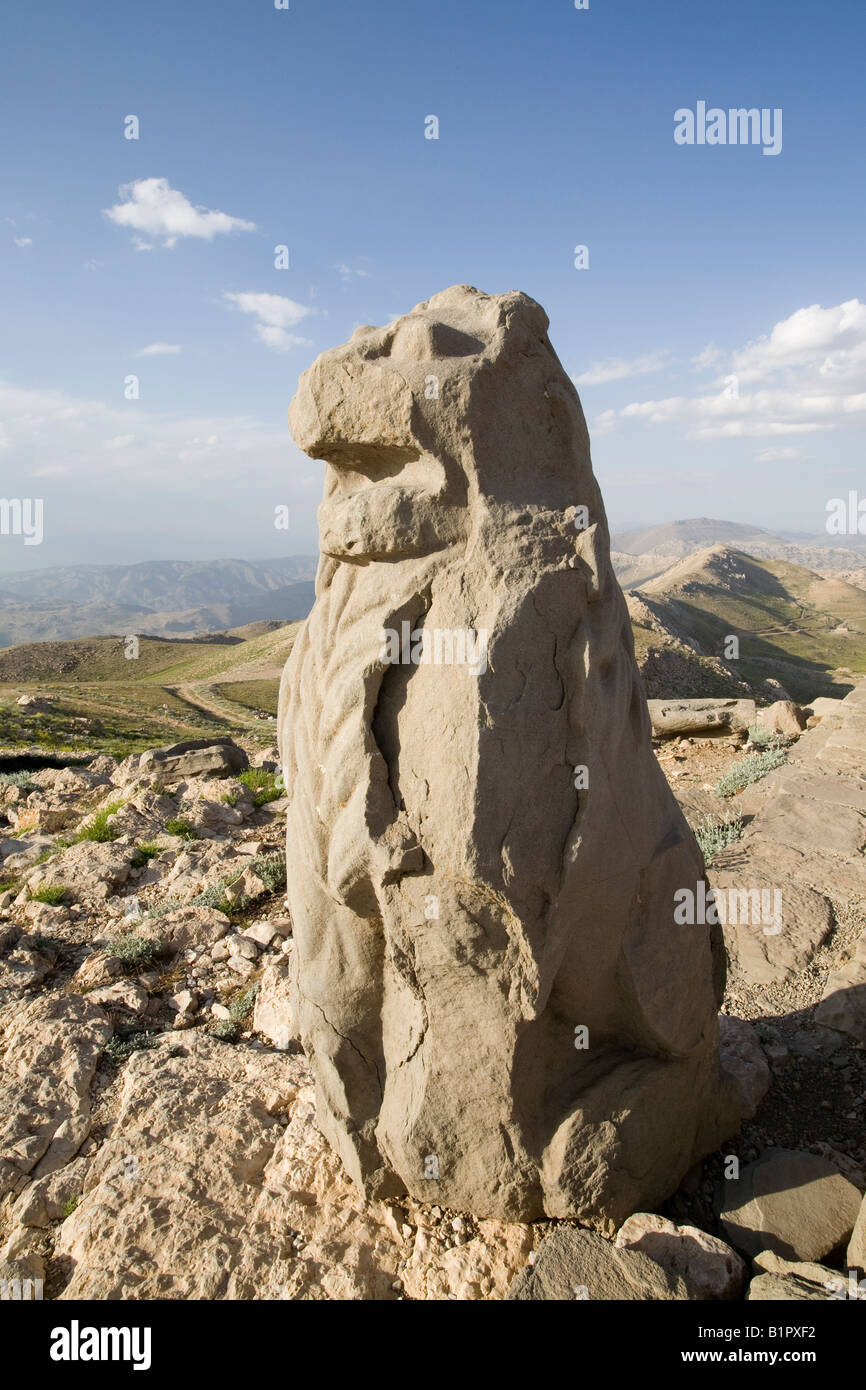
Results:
170 598
642 554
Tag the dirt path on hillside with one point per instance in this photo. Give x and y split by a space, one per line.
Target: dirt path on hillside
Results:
201 696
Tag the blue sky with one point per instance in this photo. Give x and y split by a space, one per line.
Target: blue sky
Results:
305 127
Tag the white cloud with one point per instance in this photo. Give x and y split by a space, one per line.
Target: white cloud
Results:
807 375
347 273
275 315
707 358
160 350
23 240
619 368
804 337
153 207
57 436
778 455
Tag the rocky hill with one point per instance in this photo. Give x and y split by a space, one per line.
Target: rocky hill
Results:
804 630
161 598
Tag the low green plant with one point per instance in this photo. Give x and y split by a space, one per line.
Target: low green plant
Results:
225 1030
51 893
179 825
749 770
5 887
18 779
242 1004
230 798
270 868
69 1207
134 951
262 784
713 835
765 738
128 1038
148 849
96 827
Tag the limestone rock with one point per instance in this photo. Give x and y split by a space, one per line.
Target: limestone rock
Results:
793 1280
575 1264
197 757
671 717
856 1253
461 919
215 1182
708 1267
51 1049
744 1059
90 871
792 1203
273 1015
782 717
843 1003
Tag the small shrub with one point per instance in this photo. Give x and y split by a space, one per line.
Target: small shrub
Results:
230 798
271 869
242 1004
179 825
149 849
225 1030
750 770
18 779
133 950
262 784
714 835
51 893
96 827
765 738
69 1207
127 1039
5 887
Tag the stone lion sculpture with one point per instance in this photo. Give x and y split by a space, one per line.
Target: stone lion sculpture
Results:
501 1013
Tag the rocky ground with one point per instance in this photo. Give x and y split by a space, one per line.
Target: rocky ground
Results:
157 1123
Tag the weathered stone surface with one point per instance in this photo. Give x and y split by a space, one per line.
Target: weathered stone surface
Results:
821 707
782 717
273 1014
708 1267
744 1059
793 1280
89 870
215 1182
50 1051
856 1253
843 1003
793 819
670 717
767 951
461 904
795 1204
575 1264
197 757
